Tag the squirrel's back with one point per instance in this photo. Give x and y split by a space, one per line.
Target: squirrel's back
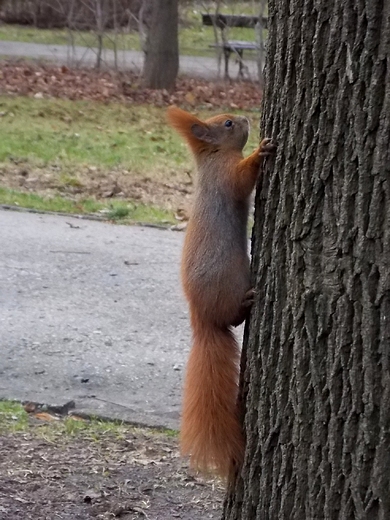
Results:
210 259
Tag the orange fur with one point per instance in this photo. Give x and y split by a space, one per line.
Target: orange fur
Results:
182 122
216 281
246 175
210 431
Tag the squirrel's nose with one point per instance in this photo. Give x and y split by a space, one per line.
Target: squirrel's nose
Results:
244 120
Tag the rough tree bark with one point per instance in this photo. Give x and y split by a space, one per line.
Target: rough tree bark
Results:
316 359
162 50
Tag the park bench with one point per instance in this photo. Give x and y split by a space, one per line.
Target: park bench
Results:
223 21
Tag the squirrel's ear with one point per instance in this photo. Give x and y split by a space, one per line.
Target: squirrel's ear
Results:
202 132
194 131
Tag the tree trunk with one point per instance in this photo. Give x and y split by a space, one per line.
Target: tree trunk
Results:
316 359
261 40
162 50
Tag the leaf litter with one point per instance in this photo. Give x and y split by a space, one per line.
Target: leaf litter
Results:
135 474
41 80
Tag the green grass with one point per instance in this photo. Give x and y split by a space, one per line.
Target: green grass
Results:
64 140
13 418
55 153
116 211
131 213
134 137
193 41
30 34
57 204
194 38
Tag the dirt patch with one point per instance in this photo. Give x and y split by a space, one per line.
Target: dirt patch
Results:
91 181
137 476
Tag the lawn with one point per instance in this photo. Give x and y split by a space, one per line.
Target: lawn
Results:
77 156
78 132
117 160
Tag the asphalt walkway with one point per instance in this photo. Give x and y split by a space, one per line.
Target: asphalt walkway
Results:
196 66
92 312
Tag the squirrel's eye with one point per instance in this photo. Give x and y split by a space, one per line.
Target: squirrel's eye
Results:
228 123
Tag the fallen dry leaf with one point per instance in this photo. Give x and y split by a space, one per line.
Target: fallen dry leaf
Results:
42 81
43 416
30 407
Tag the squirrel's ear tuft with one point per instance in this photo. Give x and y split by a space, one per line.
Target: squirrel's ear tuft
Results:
180 119
194 131
202 132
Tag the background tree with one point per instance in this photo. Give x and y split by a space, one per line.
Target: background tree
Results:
316 383
162 49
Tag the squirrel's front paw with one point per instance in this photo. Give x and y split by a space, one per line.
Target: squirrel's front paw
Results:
267 147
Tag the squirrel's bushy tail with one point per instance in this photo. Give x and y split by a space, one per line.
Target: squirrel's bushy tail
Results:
211 433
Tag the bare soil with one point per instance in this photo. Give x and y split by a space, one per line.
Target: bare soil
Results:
137 476
99 183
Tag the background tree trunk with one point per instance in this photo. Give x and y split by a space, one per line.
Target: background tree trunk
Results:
162 50
316 386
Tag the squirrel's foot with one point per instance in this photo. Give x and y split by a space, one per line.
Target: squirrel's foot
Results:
249 298
245 308
267 147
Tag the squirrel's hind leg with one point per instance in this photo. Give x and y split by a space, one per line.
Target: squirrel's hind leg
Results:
245 308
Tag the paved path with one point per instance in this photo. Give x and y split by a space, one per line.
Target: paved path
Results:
94 314
61 54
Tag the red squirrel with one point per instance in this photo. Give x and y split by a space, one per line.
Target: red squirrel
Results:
216 282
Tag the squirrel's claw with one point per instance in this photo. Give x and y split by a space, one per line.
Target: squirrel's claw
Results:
267 147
